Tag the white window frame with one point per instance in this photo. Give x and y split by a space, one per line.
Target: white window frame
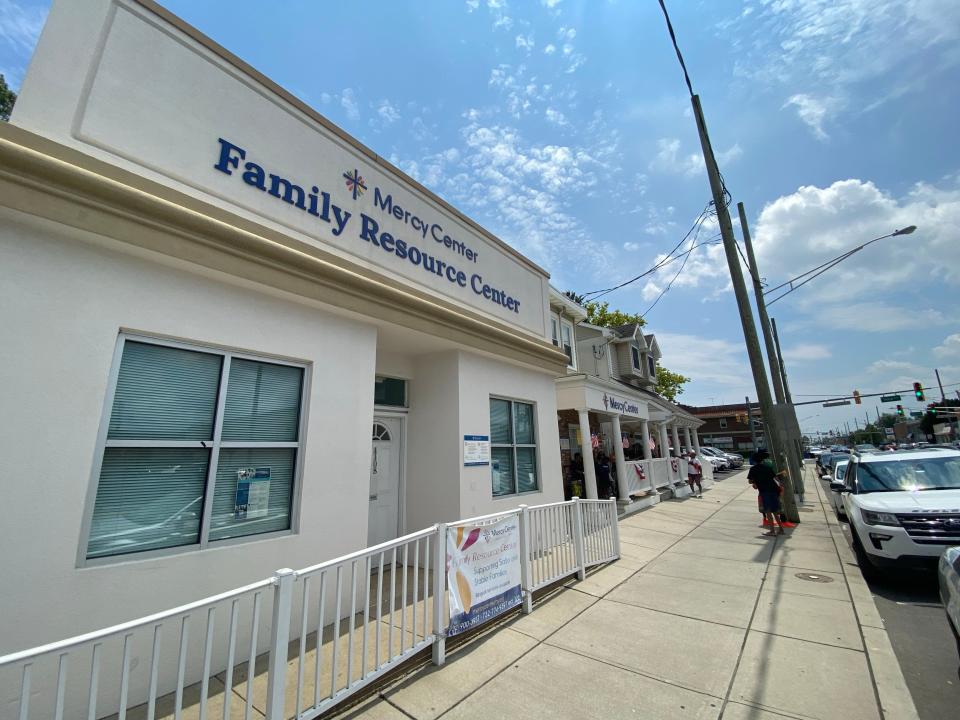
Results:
215 445
555 330
635 358
514 445
564 325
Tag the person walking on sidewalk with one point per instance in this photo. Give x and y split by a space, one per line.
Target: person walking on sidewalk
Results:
694 473
764 479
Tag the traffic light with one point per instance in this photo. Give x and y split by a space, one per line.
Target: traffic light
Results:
932 408
918 391
856 396
900 410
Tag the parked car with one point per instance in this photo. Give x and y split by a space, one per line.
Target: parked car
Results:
733 459
836 497
723 463
949 575
903 507
822 464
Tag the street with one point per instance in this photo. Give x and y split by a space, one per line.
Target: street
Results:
910 606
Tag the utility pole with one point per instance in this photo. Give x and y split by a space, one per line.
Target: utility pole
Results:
753 430
783 369
761 308
943 397
778 444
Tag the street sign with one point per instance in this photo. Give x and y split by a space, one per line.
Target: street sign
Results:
890 398
835 403
916 414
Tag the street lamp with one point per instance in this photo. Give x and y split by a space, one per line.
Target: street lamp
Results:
820 269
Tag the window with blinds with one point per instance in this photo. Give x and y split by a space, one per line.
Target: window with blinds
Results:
513 447
201 447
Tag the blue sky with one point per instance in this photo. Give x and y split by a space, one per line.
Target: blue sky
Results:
564 127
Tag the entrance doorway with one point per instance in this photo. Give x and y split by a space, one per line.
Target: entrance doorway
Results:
384 515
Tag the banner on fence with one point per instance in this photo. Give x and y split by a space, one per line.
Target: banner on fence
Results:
483 572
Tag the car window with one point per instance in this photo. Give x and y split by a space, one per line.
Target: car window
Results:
941 473
840 471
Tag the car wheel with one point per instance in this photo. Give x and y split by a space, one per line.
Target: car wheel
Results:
841 515
867 568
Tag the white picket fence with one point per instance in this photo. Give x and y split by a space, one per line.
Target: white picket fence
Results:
658 473
297 643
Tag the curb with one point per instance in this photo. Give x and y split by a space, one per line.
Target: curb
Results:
893 695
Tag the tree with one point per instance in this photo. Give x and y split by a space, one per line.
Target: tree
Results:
600 314
930 419
669 384
7 98
888 420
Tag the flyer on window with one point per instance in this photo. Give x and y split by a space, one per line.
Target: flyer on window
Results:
483 572
253 493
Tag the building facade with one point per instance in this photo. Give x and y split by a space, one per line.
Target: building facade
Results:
728 427
607 406
236 338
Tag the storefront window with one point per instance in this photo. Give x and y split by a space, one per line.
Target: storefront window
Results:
201 446
513 439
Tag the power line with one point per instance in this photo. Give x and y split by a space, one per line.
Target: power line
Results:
670 284
668 258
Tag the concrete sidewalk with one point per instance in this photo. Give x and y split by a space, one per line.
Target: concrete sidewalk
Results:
702 617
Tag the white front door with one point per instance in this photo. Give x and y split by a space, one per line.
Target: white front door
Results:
384 518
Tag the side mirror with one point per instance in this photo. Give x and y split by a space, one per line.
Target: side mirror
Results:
839 486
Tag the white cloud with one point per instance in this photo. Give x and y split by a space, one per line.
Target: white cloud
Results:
349 103
718 368
472 5
807 228
888 366
803 46
631 246
388 113
669 158
877 316
555 117
525 42
550 49
806 352
950 347
20 27
813 112
550 4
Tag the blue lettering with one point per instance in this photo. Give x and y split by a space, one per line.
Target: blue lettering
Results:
401 249
369 229
341 216
255 175
437 232
227 160
410 255
475 282
385 203
451 273
461 279
386 241
289 190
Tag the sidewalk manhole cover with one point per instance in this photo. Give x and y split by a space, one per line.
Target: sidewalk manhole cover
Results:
813 577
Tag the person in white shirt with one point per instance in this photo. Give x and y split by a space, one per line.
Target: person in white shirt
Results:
694 473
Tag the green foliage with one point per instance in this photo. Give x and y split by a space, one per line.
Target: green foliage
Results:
670 384
888 420
578 299
7 98
600 314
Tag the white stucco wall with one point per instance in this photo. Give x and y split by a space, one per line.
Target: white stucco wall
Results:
479 378
65 300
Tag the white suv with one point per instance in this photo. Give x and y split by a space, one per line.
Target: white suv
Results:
903 507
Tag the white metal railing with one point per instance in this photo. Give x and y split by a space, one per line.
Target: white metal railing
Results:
324 632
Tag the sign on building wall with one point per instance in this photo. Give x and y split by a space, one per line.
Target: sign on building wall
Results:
476 450
483 572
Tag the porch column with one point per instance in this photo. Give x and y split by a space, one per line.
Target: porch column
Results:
696 441
645 432
586 446
676 440
664 441
622 491
686 436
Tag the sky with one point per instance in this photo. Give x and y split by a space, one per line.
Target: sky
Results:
564 127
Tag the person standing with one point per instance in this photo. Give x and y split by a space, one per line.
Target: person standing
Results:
602 468
694 473
764 479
